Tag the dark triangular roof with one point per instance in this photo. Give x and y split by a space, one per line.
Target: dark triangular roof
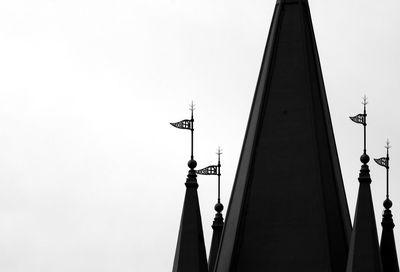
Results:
388 245
217 227
288 209
364 253
190 254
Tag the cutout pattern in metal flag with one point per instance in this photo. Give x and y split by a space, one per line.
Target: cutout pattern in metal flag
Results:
184 124
359 118
209 170
382 162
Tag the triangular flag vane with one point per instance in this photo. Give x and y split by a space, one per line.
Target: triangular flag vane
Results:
362 119
187 124
213 170
209 170
184 124
384 161
359 118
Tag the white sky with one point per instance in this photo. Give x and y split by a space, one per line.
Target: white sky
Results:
92 174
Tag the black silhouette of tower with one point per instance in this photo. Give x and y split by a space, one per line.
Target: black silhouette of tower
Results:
217 226
288 209
388 245
218 223
190 254
364 246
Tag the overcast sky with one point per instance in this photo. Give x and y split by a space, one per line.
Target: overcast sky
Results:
92 174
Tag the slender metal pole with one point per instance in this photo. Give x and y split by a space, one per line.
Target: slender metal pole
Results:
219 152
365 124
219 176
387 182
387 168
192 129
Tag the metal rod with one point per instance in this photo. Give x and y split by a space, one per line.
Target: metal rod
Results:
192 129
219 177
191 154
365 125
387 169
387 182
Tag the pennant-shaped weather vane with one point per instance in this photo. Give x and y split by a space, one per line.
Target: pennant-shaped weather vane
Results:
187 124
384 161
362 119
213 170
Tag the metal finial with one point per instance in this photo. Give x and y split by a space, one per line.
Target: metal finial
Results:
192 128
364 102
387 146
362 119
192 107
387 168
188 124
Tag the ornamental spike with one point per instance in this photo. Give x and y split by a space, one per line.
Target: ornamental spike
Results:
187 124
362 119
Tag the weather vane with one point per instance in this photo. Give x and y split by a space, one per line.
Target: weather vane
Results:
384 161
187 124
362 119
214 170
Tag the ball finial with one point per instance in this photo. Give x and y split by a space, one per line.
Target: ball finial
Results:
219 207
192 164
364 158
387 203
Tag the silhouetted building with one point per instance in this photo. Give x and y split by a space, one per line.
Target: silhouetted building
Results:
288 209
190 254
388 247
364 246
217 227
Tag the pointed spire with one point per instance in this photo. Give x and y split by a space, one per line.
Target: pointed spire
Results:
288 210
190 254
364 247
218 223
388 245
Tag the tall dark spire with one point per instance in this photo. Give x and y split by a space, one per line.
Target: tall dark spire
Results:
190 254
288 210
364 247
388 245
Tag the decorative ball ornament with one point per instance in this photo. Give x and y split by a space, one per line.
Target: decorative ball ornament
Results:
387 204
218 207
192 164
364 158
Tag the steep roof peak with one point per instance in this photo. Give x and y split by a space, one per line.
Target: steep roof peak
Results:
288 210
190 254
364 252
388 245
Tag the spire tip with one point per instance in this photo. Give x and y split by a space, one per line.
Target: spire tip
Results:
364 102
388 146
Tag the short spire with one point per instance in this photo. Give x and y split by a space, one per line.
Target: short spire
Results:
218 222
364 252
388 245
190 254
